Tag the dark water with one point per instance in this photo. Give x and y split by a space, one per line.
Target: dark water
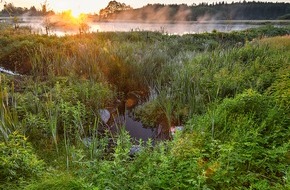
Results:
134 127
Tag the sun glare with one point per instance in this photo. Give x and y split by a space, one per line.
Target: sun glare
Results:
77 7
76 13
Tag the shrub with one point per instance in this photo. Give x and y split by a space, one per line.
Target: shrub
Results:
18 160
252 133
16 57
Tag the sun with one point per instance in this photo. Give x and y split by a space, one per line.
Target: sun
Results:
77 7
76 13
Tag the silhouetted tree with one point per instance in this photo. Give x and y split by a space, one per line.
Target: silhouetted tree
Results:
44 7
33 9
113 7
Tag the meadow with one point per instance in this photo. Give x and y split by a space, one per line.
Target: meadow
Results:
230 91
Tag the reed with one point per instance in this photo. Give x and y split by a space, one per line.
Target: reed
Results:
52 112
8 108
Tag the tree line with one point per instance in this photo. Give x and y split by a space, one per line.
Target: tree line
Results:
9 9
204 11
175 12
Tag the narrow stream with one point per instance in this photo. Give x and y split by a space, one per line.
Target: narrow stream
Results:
2 70
135 128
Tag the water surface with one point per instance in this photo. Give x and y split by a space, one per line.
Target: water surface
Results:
179 28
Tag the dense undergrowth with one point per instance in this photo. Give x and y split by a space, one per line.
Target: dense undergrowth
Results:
231 91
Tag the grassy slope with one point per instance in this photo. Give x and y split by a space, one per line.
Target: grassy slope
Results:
234 100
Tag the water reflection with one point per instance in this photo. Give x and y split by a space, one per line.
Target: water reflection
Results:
134 128
179 28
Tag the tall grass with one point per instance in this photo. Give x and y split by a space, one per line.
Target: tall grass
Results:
8 112
63 181
191 84
52 112
195 80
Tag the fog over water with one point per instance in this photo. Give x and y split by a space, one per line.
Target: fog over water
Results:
170 28
179 28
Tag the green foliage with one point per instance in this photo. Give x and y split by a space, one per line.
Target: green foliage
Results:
67 100
149 113
8 114
229 91
113 172
253 141
59 182
284 17
190 82
18 160
280 89
222 11
15 56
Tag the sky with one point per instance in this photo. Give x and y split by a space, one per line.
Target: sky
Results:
93 6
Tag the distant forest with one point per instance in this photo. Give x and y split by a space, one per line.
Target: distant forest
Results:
174 12
202 12
10 9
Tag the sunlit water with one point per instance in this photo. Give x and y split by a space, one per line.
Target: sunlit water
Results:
180 28
3 70
170 28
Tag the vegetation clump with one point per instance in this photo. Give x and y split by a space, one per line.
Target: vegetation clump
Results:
229 91
18 161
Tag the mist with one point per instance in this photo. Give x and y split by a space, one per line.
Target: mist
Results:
203 24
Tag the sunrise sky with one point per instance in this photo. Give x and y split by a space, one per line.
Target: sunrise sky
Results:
93 6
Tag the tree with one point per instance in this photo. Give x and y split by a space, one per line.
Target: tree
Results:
47 25
33 9
44 7
83 25
9 8
47 22
113 7
16 22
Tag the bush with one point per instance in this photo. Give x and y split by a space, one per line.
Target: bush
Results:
18 160
252 136
15 56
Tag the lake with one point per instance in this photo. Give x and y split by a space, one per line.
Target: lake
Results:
179 28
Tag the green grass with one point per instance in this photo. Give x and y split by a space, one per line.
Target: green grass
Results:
229 90
60 182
